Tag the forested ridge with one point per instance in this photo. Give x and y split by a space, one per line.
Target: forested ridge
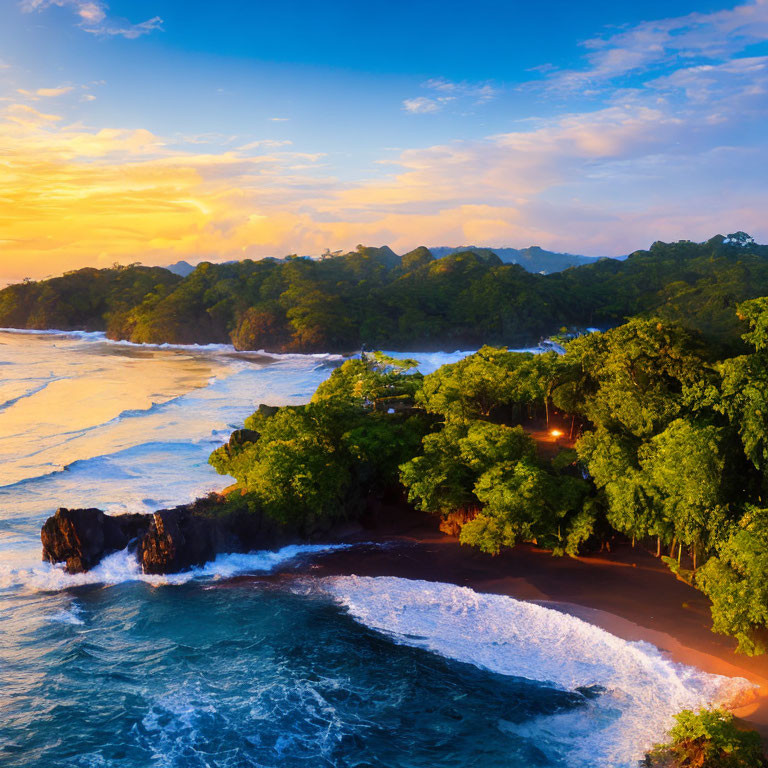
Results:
373 298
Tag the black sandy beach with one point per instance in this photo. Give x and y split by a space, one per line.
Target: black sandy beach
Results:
627 592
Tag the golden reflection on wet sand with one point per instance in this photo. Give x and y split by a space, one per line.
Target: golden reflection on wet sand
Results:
59 420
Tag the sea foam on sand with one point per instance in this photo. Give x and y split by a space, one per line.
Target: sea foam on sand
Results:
642 688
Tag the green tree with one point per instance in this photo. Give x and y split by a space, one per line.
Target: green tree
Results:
683 469
309 465
262 327
523 502
438 480
743 398
296 468
736 581
375 380
635 377
613 465
515 502
476 385
709 739
485 445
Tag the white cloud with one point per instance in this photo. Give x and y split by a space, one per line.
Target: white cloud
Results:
94 18
479 92
604 182
264 144
446 91
718 84
421 105
668 42
127 30
61 90
49 92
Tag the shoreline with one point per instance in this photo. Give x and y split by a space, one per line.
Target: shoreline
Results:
627 592
226 347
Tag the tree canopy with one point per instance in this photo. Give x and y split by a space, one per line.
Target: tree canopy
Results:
671 450
372 297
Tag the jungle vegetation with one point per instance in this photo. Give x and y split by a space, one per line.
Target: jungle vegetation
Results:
708 739
376 299
670 450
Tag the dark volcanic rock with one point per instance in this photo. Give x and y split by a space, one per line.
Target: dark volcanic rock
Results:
80 538
168 541
181 538
177 540
242 437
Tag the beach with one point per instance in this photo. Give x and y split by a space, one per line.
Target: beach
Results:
628 592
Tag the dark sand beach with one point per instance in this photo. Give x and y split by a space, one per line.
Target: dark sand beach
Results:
628 592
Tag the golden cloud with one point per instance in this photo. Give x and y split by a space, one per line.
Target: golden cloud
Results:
72 195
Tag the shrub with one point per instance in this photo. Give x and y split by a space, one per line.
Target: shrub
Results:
709 739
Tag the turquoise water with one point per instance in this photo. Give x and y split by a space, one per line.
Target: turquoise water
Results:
114 668
246 676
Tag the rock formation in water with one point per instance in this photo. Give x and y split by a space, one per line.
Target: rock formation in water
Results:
187 536
167 541
80 538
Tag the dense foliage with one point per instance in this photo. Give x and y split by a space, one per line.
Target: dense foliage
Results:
311 465
670 448
483 466
87 299
374 298
709 739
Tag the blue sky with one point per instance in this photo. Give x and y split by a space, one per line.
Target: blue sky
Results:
193 129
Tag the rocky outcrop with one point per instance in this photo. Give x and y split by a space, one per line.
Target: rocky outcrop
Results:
188 536
80 538
167 541
176 541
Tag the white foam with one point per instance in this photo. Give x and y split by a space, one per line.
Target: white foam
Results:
71 616
429 362
643 689
86 335
123 566
101 337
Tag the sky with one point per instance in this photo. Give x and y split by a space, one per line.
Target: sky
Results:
159 130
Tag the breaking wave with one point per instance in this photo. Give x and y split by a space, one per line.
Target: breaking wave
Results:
639 689
121 567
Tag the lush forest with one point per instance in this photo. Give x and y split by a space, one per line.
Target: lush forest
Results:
374 298
669 450
85 299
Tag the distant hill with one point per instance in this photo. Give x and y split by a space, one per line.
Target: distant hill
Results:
372 297
533 259
181 268
382 255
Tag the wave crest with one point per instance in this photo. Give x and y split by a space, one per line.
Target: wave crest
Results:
123 566
642 688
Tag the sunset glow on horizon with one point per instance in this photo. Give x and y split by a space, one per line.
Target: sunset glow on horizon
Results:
157 130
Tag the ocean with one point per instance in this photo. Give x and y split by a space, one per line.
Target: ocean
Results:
115 668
